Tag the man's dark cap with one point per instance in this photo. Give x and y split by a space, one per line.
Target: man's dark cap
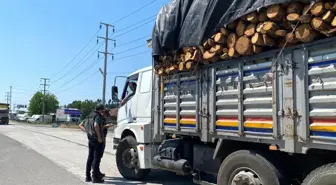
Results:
100 106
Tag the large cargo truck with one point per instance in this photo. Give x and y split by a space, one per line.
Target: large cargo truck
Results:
4 113
262 119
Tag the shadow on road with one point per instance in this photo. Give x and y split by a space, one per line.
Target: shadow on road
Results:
156 177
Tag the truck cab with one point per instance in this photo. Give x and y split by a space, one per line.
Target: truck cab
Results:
134 117
4 113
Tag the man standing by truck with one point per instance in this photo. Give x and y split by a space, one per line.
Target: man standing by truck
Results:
93 126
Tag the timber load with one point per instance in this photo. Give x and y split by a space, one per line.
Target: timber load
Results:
270 27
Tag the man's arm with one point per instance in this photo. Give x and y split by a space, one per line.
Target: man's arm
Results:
97 124
81 126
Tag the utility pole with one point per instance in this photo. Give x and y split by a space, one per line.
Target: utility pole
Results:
45 84
107 39
7 97
10 98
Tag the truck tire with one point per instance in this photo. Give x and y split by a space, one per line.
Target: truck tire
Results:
323 175
247 167
127 160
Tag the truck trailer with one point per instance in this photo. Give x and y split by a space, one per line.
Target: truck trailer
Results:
262 119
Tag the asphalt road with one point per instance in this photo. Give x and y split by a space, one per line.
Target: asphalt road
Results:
21 165
67 148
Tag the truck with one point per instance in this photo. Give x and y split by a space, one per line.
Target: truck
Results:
4 113
263 119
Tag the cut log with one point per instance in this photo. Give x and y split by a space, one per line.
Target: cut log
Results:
333 23
211 42
282 43
197 56
256 49
317 9
224 31
244 45
190 65
269 28
233 53
173 68
240 29
306 9
182 66
328 5
231 41
290 38
225 54
333 8
328 16
257 39
294 7
293 17
206 45
281 33
220 38
217 49
268 41
305 33
232 25
287 25
252 17
208 55
250 30
262 16
275 12
187 49
187 57
259 27
305 19
318 24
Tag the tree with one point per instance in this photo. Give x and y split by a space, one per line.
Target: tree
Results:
36 103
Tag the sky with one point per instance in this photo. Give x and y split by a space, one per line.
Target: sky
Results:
43 39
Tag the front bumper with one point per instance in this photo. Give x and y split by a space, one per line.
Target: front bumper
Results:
4 120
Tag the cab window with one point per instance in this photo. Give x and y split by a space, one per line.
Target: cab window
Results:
127 89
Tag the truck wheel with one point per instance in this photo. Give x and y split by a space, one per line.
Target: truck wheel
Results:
128 161
246 167
323 175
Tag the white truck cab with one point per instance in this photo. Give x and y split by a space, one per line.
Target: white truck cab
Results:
134 118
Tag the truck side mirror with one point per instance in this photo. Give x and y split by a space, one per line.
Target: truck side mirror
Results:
114 93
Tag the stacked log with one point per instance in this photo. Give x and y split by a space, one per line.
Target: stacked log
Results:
276 26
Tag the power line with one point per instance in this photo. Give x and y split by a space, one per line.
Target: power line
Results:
134 28
77 53
125 28
132 41
82 72
98 71
78 83
129 56
136 47
77 64
144 6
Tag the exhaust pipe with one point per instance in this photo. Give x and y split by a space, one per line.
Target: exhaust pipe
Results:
180 166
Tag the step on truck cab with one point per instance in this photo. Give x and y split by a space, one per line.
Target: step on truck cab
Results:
256 120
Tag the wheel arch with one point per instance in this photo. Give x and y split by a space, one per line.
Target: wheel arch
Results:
128 132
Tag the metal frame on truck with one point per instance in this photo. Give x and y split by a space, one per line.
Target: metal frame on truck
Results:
275 110
285 110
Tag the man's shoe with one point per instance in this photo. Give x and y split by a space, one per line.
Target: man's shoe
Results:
88 179
97 180
102 174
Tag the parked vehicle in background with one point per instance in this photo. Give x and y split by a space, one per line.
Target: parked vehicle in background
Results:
38 119
4 113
